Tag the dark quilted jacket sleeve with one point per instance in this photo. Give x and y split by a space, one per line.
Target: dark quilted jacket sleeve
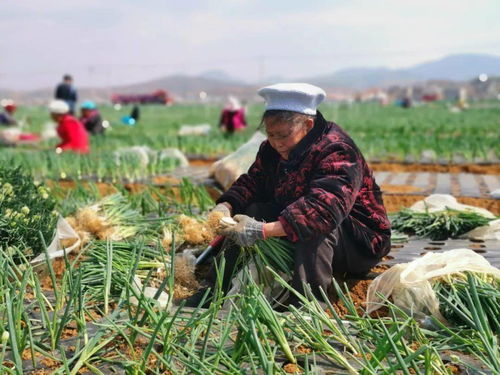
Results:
245 189
332 193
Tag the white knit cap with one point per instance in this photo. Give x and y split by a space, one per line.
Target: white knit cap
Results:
233 104
295 97
59 107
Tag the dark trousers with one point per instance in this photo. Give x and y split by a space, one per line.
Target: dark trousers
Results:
315 260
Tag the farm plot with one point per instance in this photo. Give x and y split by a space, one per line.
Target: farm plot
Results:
114 304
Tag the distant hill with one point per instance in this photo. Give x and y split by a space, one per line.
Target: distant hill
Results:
187 86
462 67
458 67
219 84
360 78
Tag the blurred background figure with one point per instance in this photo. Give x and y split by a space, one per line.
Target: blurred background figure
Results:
462 99
134 116
91 118
232 116
7 116
71 131
66 92
136 113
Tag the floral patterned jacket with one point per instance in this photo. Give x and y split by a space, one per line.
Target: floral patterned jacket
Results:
325 181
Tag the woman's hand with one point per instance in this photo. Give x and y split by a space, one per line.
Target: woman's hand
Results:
246 232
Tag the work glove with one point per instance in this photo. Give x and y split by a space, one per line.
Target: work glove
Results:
223 209
246 232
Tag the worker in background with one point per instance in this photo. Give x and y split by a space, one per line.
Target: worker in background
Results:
66 92
7 116
232 117
73 135
311 185
91 118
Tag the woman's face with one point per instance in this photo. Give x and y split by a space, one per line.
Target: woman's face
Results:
283 136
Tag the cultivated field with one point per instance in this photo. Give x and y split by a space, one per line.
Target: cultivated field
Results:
113 304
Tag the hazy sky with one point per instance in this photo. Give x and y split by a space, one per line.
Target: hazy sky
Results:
113 42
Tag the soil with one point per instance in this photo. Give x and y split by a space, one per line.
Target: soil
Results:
357 292
185 280
493 168
303 349
455 369
165 180
391 189
291 368
380 268
394 202
59 266
103 188
202 162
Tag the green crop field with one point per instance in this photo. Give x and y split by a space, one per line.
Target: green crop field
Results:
430 133
116 300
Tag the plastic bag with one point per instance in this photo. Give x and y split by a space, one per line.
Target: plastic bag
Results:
228 169
55 249
174 153
201 129
49 131
486 232
138 153
495 194
440 202
148 292
410 284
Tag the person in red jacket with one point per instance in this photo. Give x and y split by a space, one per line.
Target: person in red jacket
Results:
232 117
311 185
73 135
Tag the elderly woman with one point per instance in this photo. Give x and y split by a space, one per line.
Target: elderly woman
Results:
309 184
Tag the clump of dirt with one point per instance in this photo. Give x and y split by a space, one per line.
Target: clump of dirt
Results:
493 168
69 332
186 283
59 267
357 290
292 368
380 268
302 349
455 369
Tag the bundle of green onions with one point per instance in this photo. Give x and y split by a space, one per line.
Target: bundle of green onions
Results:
109 266
470 299
111 218
275 253
437 225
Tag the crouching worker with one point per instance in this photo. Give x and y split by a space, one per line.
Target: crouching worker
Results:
91 118
71 131
311 184
7 117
